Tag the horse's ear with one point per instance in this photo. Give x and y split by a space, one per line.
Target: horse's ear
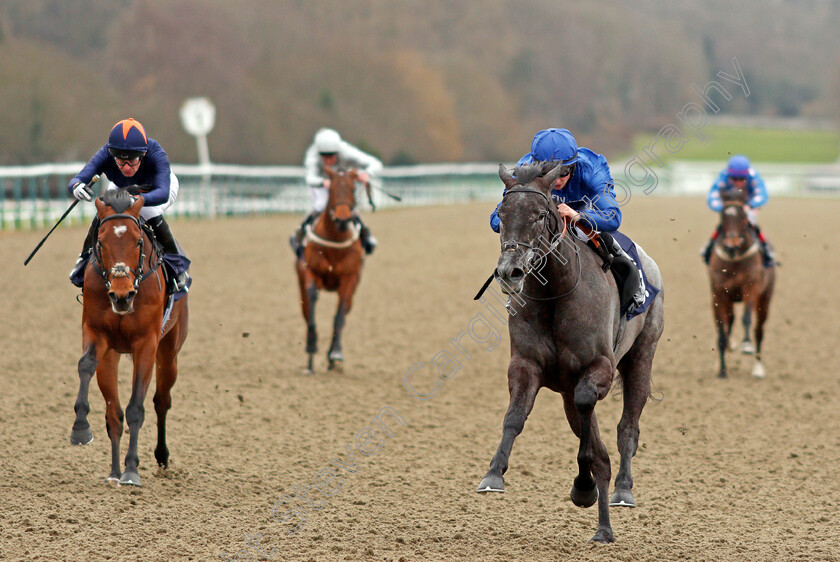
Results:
137 205
100 204
547 181
506 176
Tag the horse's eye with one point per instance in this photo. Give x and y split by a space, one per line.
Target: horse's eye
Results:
542 216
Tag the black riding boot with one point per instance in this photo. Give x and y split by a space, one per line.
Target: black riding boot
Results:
628 270
768 255
77 274
706 251
163 234
296 239
369 241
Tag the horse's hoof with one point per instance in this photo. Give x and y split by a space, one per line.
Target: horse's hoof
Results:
81 436
491 483
307 372
604 536
722 375
623 498
584 498
336 366
758 370
747 348
113 481
130 479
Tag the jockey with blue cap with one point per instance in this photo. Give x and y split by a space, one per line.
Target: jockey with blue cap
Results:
131 158
740 174
584 190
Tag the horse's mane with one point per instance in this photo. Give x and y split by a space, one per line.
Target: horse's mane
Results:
526 173
118 199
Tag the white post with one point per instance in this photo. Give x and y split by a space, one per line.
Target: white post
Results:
198 115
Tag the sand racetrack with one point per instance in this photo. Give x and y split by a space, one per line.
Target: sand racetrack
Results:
741 469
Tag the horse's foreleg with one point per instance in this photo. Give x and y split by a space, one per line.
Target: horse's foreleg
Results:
144 360
523 384
310 298
106 378
345 303
167 373
81 433
724 317
762 309
593 479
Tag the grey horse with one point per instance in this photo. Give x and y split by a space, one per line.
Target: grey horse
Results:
567 334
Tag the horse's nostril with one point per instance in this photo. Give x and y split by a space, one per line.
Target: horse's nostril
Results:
517 273
130 295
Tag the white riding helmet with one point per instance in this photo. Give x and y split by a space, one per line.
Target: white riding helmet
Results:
327 141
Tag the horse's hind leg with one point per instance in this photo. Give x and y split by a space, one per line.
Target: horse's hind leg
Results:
167 373
593 479
106 378
635 369
345 303
747 347
523 382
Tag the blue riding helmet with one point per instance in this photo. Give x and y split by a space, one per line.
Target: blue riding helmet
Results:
738 167
128 139
554 145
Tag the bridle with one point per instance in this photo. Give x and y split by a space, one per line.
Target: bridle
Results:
555 237
122 270
728 255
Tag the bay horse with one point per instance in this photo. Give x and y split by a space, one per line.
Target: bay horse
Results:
332 260
737 274
568 334
124 295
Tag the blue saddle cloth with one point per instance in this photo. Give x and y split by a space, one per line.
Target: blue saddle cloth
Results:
650 291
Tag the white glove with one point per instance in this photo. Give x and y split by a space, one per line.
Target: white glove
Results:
82 192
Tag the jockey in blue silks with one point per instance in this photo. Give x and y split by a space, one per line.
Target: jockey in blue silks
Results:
740 174
583 192
131 158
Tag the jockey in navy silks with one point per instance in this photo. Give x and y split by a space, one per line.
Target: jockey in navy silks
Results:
131 158
583 192
740 174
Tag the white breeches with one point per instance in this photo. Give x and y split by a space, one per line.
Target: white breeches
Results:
149 212
320 196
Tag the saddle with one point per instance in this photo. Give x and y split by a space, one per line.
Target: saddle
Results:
627 275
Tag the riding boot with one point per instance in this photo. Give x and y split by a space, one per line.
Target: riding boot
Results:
164 236
629 269
706 252
369 241
767 253
77 274
296 239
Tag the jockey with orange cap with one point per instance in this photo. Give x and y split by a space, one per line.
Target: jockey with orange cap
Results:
130 158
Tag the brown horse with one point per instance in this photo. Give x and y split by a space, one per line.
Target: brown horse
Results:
737 274
568 334
332 261
124 297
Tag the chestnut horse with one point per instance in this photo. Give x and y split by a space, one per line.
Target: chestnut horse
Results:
124 297
737 274
332 260
568 334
